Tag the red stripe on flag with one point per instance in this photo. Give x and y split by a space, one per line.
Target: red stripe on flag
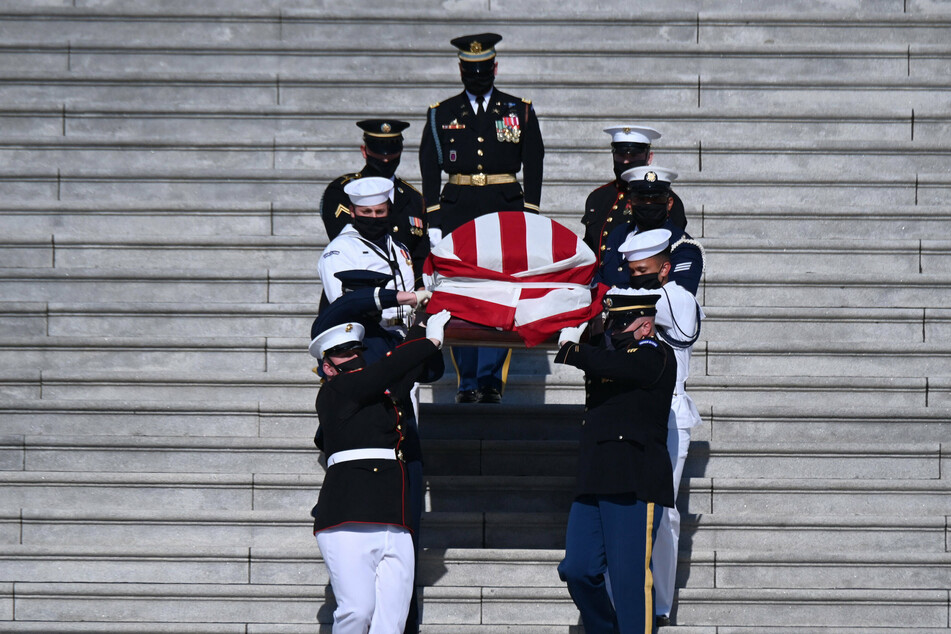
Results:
564 242
477 311
512 233
464 243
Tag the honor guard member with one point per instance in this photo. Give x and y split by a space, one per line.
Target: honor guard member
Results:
609 205
382 148
678 324
361 518
365 243
363 300
624 472
481 138
651 200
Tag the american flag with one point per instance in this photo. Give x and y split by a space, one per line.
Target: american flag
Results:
515 271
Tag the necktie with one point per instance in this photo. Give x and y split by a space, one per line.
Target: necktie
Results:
480 100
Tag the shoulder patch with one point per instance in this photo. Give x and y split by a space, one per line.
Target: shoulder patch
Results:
647 342
330 253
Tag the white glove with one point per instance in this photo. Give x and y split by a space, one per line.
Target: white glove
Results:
436 325
422 297
435 236
571 334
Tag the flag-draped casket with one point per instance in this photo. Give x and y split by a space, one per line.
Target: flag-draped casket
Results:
515 271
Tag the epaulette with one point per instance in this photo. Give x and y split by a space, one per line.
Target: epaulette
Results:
411 187
528 101
435 105
346 178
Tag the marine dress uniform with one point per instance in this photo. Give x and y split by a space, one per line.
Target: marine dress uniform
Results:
383 146
362 519
609 206
481 138
352 250
624 471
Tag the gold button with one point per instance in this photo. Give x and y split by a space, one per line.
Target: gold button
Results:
620 197
481 139
603 247
610 218
375 469
452 140
620 437
395 228
614 208
479 167
480 152
620 268
400 427
604 233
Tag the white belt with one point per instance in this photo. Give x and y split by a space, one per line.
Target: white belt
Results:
361 454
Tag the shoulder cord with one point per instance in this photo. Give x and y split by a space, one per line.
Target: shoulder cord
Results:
673 341
432 125
686 240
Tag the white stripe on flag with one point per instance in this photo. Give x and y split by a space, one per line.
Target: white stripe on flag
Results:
489 242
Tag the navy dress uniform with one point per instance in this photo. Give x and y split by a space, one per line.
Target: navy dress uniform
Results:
652 183
609 206
624 471
678 323
362 518
356 248
382 148
481 138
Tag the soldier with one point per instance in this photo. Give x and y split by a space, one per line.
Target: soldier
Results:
678 324
360 519
624 471
651 201
362 302
366 244
608 206
382 148
481 138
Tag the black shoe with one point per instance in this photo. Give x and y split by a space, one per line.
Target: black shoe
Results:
490 395
662 621
467 396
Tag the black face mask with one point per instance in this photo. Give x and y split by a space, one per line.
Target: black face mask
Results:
622 340
477 83
372 229
357 363
647 281
648 217
378 167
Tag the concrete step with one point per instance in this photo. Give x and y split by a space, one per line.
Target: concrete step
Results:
292 528
137 219
898 189
343 60
859 288
907 256
580 158
683 89
745 497
208 454
334 127
300 387
811 422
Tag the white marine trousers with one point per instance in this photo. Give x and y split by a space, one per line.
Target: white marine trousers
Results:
371 572
664 557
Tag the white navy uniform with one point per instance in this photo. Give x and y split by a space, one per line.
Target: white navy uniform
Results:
677 321
351 251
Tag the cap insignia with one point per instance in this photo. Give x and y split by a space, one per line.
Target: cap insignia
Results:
475 47
650 177
627 130
609 302
385 128
349 327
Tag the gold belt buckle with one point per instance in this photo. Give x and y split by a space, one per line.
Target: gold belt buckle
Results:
478 179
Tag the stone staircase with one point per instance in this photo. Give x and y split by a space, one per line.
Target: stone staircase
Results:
160 166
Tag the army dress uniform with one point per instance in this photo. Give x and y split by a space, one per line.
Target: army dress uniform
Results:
624 473
481 153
